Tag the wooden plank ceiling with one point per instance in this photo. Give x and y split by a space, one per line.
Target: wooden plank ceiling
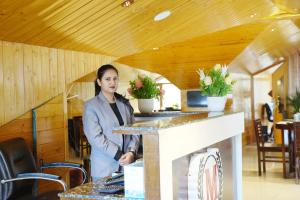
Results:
198 32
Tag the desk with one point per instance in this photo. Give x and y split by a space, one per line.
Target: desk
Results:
287 125
168 145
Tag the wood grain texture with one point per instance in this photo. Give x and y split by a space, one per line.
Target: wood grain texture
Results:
51 130
151 166
31 75
20 127
1 85
197 34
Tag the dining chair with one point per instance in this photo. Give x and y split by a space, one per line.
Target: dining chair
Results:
264 147
81 138
296 126
18 172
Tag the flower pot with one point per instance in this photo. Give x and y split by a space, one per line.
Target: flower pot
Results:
145 105
216 104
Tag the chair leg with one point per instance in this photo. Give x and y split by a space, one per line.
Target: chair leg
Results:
297 169
259 163
264 162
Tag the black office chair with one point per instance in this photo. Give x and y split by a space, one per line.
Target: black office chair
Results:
18 172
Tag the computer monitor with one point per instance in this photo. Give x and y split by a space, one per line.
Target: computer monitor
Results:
195 99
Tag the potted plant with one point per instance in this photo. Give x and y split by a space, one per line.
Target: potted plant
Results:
294 101
215 84
145 90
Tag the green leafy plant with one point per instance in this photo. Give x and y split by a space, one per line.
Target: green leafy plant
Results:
294 101
215 82
144 88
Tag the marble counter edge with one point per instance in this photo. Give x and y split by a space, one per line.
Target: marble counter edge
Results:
152 127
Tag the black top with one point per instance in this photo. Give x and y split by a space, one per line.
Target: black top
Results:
114 107
117 113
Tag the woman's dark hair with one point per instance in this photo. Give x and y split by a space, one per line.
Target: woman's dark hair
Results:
100 73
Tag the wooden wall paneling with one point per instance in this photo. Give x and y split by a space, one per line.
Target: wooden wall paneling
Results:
66 131
51 131
95 62
19 76
37 74
20 127
1 86
87 62
74 66
28 78
53 72
81 65
13 80
68 66
61 74
31 75
46 84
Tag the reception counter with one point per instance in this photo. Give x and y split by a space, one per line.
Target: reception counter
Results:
168 145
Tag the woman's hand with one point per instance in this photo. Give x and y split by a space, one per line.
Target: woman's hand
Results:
126 158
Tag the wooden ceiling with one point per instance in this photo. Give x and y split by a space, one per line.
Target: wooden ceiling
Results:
199 33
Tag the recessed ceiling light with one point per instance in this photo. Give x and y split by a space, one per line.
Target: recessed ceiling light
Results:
127 3
162 15
155 48
273 29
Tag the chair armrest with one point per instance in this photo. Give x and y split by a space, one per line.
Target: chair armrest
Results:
43 176
66 165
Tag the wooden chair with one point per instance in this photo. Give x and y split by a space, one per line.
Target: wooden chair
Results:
263 147
297 149
82 140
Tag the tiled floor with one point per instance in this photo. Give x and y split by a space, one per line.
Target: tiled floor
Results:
271 186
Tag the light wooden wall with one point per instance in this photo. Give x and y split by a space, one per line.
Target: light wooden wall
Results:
51 135
85 91
31 75
20 127
51 128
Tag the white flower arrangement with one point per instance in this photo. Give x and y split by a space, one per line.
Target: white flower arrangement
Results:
215 82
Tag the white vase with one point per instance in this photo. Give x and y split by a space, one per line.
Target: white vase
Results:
145 105
216 104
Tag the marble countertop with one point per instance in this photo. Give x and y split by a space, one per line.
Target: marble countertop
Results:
163 114
89 191
146 127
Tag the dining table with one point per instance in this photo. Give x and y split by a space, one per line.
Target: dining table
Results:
286 128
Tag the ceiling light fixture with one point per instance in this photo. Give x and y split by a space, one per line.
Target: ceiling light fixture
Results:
162 15
127 3
155 48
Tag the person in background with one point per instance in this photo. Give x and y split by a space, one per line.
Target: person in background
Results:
102 113
268 108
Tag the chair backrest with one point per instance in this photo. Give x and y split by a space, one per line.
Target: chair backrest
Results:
258 133
296 126
15 158
78 127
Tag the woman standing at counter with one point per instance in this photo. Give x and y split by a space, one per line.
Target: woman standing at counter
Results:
102 113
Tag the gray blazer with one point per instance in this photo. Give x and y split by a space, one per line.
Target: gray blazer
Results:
98 121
